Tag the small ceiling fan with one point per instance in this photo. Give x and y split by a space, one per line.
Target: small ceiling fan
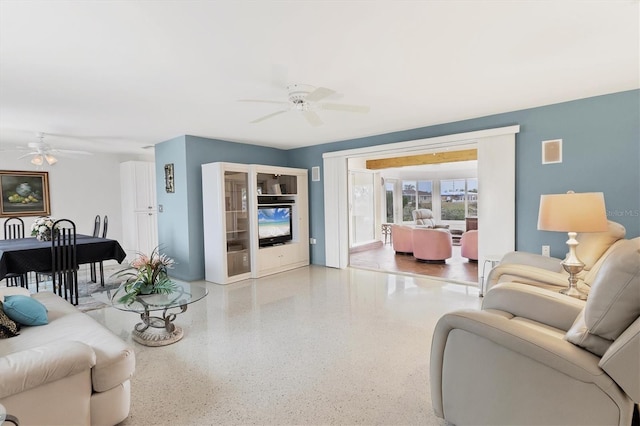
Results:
42 152
306 99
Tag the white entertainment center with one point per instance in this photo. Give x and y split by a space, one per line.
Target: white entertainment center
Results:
256 220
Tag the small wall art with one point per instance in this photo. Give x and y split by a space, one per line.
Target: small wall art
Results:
552 151
168 178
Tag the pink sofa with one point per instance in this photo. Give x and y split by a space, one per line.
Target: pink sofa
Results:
402 239
469 245
432 245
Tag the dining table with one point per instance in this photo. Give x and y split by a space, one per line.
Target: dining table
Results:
22 255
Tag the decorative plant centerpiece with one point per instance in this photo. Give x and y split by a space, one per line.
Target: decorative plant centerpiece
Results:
145 275
42 228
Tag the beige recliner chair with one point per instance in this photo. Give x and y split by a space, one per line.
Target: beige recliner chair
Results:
534 356
424 217
547 272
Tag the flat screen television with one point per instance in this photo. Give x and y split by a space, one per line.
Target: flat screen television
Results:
274 225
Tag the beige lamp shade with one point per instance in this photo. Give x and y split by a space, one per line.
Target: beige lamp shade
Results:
572 212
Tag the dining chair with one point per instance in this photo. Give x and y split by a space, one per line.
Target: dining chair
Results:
64 262
14 229
105 224
96 232
96 225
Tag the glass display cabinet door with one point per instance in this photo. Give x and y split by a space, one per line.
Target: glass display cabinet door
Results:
237 222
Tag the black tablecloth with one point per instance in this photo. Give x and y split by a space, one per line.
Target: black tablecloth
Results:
28 254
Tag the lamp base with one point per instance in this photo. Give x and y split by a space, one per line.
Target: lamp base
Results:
573 266
574 292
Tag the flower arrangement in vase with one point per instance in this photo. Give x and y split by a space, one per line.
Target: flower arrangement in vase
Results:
145 275
42 228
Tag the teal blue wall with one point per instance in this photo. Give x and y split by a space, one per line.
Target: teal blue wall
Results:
601 138
180 225
601 152
172 239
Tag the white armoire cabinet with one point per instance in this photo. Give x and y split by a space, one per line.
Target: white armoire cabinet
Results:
234 197
225 209
139 207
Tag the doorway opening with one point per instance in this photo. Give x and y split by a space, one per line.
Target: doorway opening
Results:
449 189
496 181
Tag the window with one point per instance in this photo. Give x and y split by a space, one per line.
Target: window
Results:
459 198
388 186
472 197
424 194
415 194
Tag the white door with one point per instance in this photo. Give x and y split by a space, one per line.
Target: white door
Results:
362 207
146 231
392 201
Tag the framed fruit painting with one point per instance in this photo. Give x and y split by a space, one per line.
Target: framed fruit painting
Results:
24 193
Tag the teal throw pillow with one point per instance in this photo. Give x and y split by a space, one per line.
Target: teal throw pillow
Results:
25 310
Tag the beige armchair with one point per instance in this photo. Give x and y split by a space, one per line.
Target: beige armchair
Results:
547 272
424 217
533 356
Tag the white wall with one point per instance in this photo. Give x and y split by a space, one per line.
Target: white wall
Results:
80 189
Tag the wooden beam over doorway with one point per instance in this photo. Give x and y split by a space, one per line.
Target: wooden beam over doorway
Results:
417 160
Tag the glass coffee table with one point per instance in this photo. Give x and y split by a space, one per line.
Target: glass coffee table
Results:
160 330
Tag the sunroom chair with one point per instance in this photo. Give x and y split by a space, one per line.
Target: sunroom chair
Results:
424 217
547 272
402 239
535 356
469 245
432 245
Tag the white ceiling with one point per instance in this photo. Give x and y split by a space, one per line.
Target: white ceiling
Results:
119 75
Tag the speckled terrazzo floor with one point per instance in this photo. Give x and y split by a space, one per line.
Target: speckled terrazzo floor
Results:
313 346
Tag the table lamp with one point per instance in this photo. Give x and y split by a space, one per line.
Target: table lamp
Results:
573 213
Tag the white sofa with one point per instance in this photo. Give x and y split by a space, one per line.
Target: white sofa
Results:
71 371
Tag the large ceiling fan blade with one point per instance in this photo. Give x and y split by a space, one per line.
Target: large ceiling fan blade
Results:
319 94
28 155
263 101
344 107
258 120
69 151
16 149
312 118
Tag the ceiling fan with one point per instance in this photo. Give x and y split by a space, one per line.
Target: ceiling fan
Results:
306 99
41 152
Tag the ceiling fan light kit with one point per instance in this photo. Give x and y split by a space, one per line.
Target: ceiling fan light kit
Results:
306 99
39 159
41 152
